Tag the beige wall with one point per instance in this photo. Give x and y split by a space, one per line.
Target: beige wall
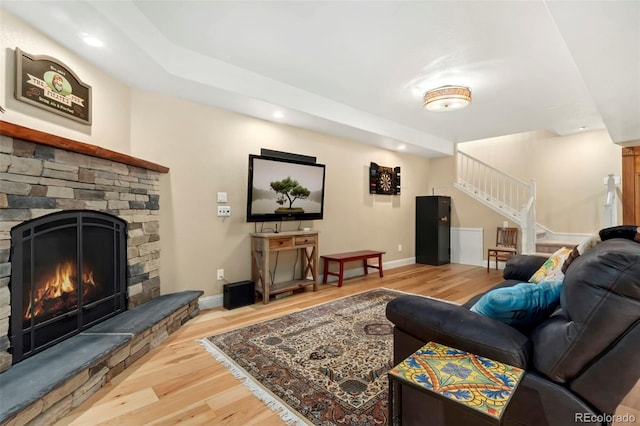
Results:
207 151
111 103
568 170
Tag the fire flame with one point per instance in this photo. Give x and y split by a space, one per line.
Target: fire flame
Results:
59 287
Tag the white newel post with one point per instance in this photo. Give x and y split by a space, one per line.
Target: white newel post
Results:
528 221
611 205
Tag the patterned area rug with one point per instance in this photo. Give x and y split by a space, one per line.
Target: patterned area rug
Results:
324 365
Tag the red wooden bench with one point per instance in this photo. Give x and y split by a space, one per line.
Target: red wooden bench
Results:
351 256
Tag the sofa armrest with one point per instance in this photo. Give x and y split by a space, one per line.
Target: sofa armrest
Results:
452 325
522 266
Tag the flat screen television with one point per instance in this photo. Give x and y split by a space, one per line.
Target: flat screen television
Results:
284 189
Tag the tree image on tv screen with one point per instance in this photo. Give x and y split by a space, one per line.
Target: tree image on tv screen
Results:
289 190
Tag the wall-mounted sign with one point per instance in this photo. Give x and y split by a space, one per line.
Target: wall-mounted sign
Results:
47 83
384 180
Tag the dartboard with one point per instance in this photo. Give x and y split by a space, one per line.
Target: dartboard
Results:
385 182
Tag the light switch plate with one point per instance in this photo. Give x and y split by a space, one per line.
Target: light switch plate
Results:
222 197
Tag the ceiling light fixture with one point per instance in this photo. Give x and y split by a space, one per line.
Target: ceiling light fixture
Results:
447 98
278 114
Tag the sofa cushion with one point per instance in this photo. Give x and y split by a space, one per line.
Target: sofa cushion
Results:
523 305
551 270
630 232
522 266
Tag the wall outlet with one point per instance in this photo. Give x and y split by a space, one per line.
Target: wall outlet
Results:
224 210
220 274
399 247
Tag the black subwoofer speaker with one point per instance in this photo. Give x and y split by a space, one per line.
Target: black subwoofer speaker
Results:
238 294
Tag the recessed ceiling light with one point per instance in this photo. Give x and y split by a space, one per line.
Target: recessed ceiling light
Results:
582 128
91 40
402 147
278 114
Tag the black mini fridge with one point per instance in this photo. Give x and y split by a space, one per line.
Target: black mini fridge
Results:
433 230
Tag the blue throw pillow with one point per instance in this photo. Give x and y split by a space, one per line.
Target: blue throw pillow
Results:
521 305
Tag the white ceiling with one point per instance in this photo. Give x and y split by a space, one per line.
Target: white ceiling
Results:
357 69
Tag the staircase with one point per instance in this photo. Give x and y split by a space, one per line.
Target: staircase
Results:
515 200
509 196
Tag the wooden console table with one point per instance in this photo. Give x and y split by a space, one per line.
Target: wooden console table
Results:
264 244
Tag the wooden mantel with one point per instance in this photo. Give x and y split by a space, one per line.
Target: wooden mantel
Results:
42 138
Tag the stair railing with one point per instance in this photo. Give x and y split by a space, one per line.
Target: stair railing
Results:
508 195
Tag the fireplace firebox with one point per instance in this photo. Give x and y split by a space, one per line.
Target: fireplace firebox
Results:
69 272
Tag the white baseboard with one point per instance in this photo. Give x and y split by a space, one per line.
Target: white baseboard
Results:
210 302
501 264
398 263
215 301
474 263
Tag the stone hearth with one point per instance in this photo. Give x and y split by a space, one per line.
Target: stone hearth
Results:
42 389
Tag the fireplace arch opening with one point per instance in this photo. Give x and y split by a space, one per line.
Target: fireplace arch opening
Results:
69 272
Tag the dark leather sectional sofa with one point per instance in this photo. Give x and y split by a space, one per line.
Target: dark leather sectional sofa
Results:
579 363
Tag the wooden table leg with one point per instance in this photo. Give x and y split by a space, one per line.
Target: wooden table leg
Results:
395 403
390 402
366 266
380 265
341 274
326 269
313 260
266 277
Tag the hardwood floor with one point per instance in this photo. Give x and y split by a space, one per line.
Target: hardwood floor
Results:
180 382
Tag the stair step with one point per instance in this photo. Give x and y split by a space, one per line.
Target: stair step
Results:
552 246
543 254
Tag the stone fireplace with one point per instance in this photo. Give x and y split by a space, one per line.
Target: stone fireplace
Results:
39 179
79 272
